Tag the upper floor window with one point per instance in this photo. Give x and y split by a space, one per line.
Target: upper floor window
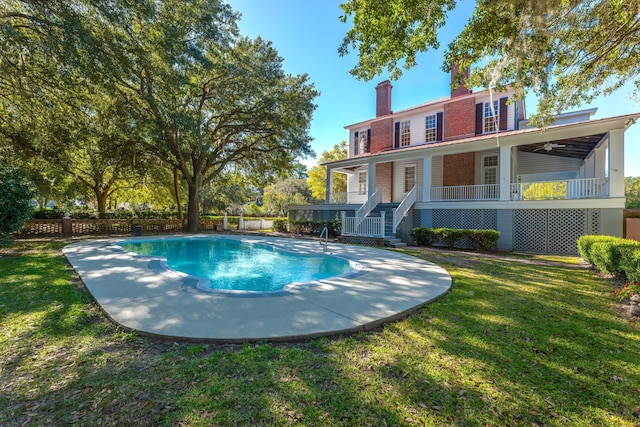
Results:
490 116
405 133
431 128
361 141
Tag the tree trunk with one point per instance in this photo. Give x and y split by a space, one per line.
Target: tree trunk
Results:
101 197
193 209
176 187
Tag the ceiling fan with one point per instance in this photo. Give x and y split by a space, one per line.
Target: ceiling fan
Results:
548 146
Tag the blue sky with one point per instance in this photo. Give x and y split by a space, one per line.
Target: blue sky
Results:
307 33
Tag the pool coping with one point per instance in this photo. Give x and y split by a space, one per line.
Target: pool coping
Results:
138 296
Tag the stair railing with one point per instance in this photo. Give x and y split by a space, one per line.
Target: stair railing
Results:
404 206
368 206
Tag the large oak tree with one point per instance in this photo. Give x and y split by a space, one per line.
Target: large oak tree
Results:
566 51
201 98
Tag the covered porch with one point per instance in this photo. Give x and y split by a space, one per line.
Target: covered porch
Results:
517 166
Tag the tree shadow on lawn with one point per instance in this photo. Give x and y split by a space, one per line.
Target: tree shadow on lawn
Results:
541 338
511 344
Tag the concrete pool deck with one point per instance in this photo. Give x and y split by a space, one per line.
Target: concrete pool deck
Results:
134 293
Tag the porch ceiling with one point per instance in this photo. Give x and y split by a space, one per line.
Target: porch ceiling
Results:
578 147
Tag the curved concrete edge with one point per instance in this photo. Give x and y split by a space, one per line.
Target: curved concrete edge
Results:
164 304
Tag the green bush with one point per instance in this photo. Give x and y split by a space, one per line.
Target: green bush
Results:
606 255
315 227
15 202
483 240
423 236
585 242
281 225
450 236
630 263
47 214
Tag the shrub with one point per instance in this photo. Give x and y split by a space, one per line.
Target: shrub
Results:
606 255
449 236
281 225
483 240
15 202
585 242
630 263
423 236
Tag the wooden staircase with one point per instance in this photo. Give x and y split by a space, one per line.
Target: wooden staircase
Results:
391 240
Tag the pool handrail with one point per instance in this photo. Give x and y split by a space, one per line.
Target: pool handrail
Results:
324 232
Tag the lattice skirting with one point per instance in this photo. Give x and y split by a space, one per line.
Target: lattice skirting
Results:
361 240
552 230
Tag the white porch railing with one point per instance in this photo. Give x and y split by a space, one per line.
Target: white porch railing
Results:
404 206
359 226
350 197
466 192
561 189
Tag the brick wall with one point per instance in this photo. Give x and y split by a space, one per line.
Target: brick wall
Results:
459 119
384 180
381 135
458 169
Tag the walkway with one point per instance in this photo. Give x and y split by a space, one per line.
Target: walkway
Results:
135 294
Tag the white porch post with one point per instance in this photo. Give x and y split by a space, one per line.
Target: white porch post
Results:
426 179
371 179
616 163
600 162
505 172
329 181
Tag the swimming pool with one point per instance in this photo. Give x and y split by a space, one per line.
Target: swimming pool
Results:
231 265
138 296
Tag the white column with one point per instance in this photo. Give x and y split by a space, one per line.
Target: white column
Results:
371 179
329 188
426 178
505 173
616 163
600 161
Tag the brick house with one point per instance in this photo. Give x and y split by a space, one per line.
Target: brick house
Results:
470 160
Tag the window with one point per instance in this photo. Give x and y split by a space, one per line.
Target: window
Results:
409 178
431 128
490 169
405 133
490 116
361 141
362 183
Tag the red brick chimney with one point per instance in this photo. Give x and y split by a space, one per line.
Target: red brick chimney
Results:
458 80
383 98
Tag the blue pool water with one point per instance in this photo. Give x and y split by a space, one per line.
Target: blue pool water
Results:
238 266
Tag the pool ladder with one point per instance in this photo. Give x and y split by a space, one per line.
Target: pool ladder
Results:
324 232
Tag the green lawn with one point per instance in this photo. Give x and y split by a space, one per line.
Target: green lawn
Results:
513 343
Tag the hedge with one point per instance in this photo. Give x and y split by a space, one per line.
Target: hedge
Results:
612 255
308 227
482 240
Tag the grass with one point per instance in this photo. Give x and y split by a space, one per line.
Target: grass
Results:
513 343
